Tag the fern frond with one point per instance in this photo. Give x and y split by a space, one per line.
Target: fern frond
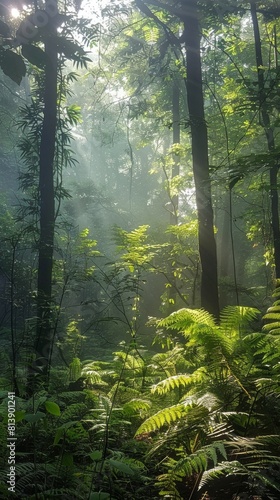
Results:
198 462
136 406
131 362
167 361
274 308
168 486
92 375
272 315
161 418
266 481
176 381
272 328
212 339
224 468
184 318
234 319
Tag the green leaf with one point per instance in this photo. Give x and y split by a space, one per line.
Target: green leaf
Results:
34 417
19 415
34 55
121 466
68 48
96 455
67 459
12 65
161 418
61 431
52 408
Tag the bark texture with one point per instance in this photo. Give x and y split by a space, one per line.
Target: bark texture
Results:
199 139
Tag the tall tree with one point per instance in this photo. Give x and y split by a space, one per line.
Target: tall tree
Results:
269 133
194 85
188 16
43 340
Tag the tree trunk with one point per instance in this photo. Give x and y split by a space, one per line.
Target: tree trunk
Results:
206 238
273 172
172 294
175 140
44 333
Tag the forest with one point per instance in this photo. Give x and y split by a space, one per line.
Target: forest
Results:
140 249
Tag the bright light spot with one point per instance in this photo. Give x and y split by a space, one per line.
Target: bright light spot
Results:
15 12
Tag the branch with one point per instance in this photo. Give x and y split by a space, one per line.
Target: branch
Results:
181 12
169 34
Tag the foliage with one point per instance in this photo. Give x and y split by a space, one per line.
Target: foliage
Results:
185 406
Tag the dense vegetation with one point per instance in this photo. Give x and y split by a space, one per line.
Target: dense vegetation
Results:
140 250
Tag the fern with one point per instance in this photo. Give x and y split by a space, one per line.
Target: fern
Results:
273 314
75 369
177 381
168 485
93 376
135 406
234 319
198 462
161 418
195 463
168 361
183 319
224 468
131 362
212 339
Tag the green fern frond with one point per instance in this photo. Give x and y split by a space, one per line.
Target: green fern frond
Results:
75 369
234 319
176 381
168 361
224 468
275 308
92 375
131 362
184 318
276 292
272 315
212 339
168 486
161 418
151 33
198 462
74 411
272 328
266 481
136 406
256 340
264 382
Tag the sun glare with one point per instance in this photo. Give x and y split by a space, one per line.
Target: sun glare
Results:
14 12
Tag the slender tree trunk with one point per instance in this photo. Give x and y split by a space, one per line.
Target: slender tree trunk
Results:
273 172
206 238
175 172
44 333
175 140
225 253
